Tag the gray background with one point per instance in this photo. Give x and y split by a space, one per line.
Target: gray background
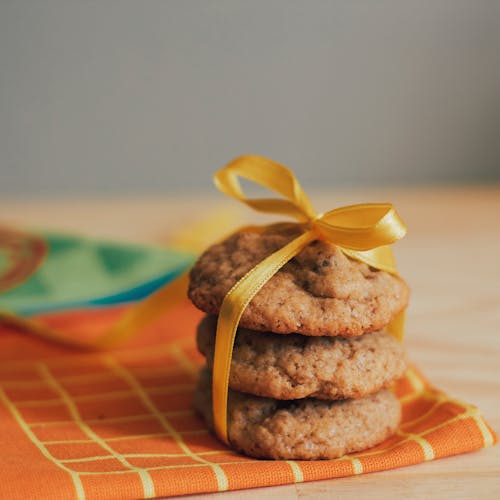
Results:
132 96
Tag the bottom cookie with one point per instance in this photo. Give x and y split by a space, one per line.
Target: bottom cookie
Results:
306 429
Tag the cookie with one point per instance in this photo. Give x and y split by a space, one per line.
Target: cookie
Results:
306 429
319 292
296 366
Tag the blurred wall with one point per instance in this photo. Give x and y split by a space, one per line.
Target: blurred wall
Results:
123 96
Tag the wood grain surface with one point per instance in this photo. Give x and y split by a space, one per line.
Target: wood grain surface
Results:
451 259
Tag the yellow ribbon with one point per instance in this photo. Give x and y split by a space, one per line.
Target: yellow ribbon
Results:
363 232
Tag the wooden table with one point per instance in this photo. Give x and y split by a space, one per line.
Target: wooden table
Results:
450 257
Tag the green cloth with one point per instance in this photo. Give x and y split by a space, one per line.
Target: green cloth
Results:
79 272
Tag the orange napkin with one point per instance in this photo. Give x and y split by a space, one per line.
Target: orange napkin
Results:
121 425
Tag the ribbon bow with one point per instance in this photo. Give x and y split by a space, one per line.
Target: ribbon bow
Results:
363 232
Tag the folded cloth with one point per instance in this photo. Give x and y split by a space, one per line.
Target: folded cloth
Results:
120 424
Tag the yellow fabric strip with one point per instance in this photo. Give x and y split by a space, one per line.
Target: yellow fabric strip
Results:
135 318
145 312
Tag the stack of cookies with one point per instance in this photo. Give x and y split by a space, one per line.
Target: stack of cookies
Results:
311 363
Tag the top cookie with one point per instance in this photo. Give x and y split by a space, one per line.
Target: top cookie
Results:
320 292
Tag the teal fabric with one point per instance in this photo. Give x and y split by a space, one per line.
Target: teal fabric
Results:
80 272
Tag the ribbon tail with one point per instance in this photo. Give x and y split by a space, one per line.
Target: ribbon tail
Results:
382 258
235 302
397 326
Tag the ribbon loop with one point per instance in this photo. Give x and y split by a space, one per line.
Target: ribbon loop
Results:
271 175
361 227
